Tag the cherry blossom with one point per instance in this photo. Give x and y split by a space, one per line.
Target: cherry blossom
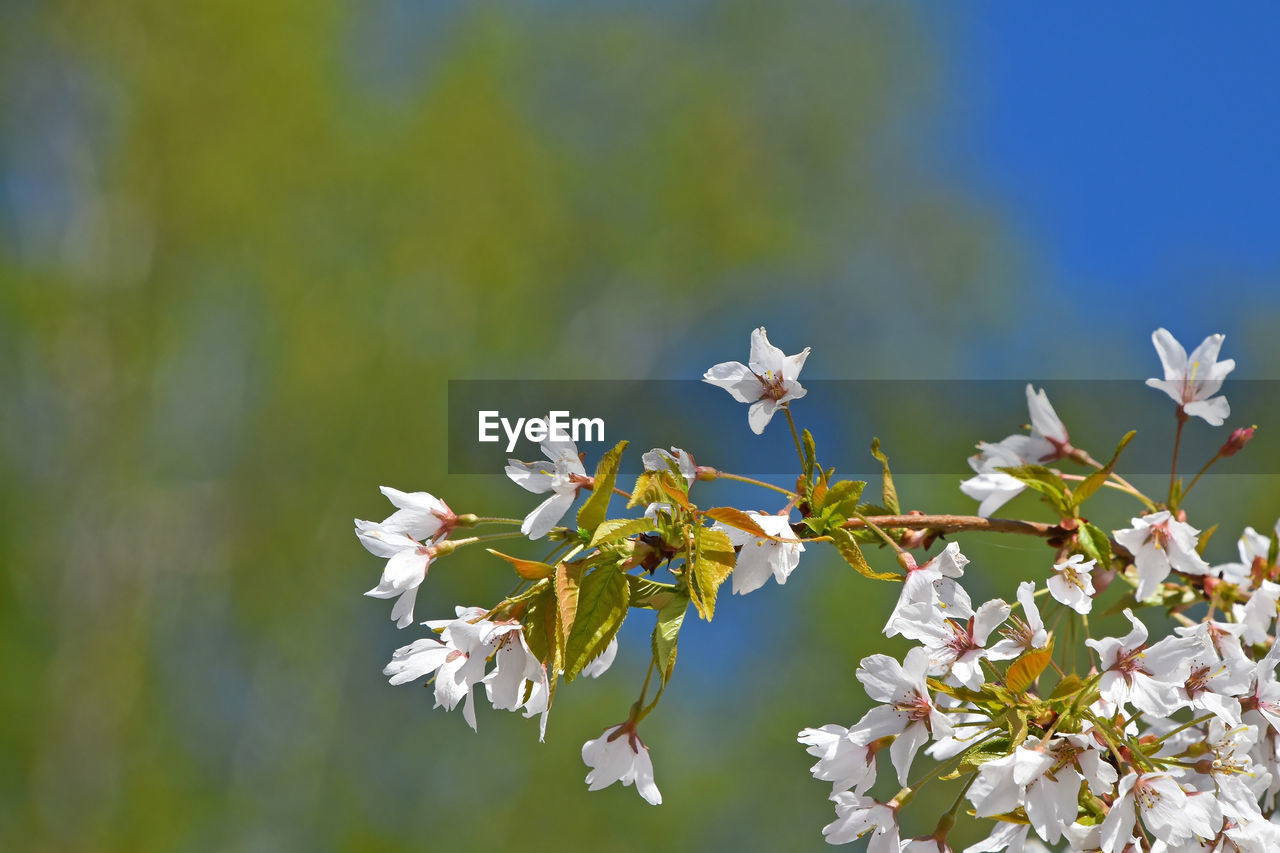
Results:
759 558
619 755
768 381
1193 380
564 477
1159 545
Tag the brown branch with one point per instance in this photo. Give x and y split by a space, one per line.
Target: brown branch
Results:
960 524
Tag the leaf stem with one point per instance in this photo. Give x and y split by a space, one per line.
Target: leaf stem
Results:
795 436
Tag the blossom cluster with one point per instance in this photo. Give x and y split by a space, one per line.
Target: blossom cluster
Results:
1053 735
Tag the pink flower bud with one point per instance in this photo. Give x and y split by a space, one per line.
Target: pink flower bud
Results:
1239 438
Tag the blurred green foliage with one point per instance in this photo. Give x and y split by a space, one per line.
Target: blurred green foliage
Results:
244 248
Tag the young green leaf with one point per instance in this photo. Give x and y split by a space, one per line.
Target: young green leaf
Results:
617 529
649 593
889 492
852 554
1095 543
596 507
666 635
713 561
568 576
602 606
1096 480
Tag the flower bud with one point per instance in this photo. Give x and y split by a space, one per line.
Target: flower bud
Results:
1239 438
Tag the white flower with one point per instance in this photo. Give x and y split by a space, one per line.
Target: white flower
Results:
1042 778
1147 676
1023 634
1253 547
678 461
842 760
759 558
1160 544
856 816
767 382
1218 669
908 713
1011 836
1258 612
619 755
1072 583
407 564
563 477
1192 381
1048 440
518 679
1165 809
419 515
954 647
934 583
458 661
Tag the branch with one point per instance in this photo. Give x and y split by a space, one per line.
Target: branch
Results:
959 524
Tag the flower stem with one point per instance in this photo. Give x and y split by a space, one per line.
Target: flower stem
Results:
741 479
1206 467
795 436
1177 444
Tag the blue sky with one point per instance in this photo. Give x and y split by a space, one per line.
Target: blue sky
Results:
1130 147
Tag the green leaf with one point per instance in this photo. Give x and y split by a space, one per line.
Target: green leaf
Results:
1274 551
845 492
530 570
1068 686
852 554
810 462
889 492
640 491
602 605
713 560
540 625
617 529
1096 480
738 519
1045 481
568 576
649 593
1095 543
666 635
596 507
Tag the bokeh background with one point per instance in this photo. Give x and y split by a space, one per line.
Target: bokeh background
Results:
244 247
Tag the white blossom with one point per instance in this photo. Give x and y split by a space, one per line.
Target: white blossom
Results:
1022 634
1047 440
1146 676
407 564
619 755
759 558
457 659
676 460
768 381
856 816
908 711
934 583
1072 583
1159 545
842 760
562 475
1193 380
